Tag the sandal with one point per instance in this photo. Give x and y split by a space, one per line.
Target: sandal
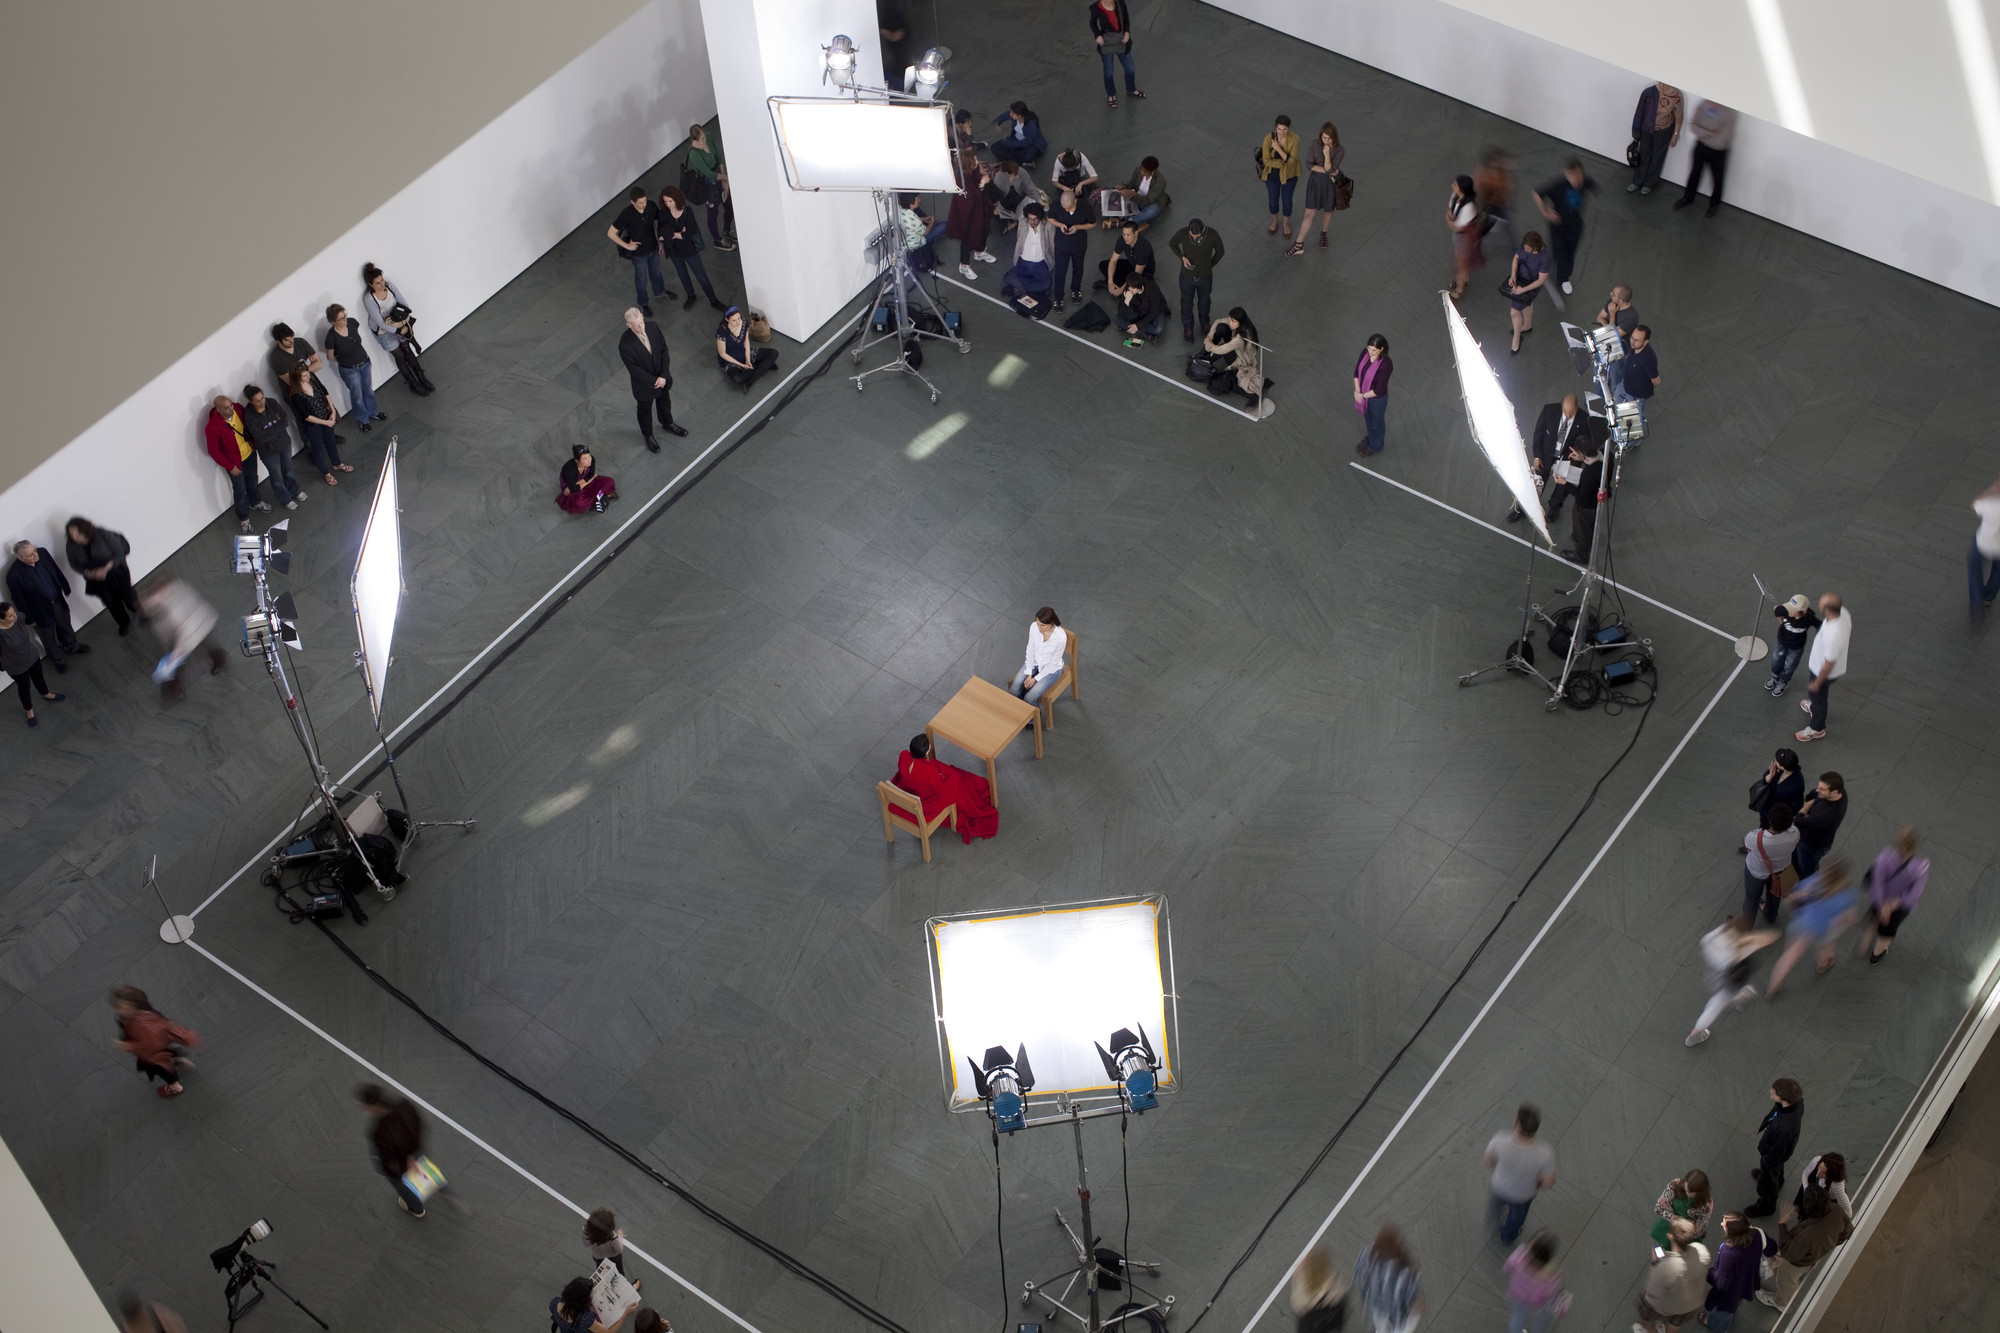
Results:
343 467
1295 248
1322 240
1111 102
1138 94
329 480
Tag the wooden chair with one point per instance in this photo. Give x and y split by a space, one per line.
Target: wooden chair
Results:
898 804
1066 681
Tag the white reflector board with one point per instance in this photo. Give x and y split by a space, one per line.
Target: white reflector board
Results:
377 587
833 143
1494 429
1053 979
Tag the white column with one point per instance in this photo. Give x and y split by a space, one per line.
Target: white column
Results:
801 253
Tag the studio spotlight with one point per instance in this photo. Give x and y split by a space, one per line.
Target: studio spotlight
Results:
1004 1085
1628 422
926 78
1578 347
1608 345
839 61
267 553
1131 1064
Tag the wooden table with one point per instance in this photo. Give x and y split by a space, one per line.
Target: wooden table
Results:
984 719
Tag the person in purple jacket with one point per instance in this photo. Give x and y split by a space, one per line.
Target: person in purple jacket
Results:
1732 1279
1894 884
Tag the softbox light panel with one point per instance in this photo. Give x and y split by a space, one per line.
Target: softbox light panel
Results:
1491 416
836 143
377 586
1056 980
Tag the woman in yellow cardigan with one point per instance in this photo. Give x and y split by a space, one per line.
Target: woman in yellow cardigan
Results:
1278 164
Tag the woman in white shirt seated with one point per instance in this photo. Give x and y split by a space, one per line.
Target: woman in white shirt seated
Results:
1043 666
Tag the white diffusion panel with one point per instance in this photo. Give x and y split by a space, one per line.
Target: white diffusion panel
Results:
1055 981
378 581
838 144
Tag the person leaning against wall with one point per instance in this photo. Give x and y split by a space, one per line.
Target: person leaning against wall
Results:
394 324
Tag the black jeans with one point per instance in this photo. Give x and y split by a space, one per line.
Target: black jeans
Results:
1652 156
58 639
1583 527
1818 699
1770 1179
1717 162
1195 291
683 264
1565 240
761 360
1070 262
34 674
118 597
657 401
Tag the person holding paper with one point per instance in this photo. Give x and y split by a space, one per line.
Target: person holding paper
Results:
571 1312
1553 431
1582 473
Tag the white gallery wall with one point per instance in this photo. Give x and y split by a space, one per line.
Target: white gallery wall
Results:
449 240
1852 201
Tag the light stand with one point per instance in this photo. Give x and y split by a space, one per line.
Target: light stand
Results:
177 928
270 633
1086 1268
377 591
1749 647
892 294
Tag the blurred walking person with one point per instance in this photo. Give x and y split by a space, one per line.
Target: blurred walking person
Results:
1323 161
99 555
1727 953
1535 1293
1561 203
1319 1293
1822 907
40 594
1982 561
1895 882
157 1045
183 623
1656 127
1493 191
1713 126
1676 1281
1521 1166
1385 1284
396 1136
143 1316
21 659
1777 1136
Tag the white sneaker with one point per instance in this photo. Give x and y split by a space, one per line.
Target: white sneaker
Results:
1567 289
967 271
1697 1037
1743 998
263 506
1768 1299
300 497
291 504
985 258
244 526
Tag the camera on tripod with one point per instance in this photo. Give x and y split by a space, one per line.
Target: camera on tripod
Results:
246 1273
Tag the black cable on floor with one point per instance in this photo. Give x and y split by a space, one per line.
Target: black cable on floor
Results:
1000 1236
796 1267
1449 990
550 611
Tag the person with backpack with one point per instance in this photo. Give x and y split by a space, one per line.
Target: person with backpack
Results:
704 180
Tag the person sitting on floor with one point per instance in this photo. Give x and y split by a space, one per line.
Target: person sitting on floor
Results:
938 784
1233 363
1142 312
583 491
733 352
1023 142
1027 282
1011 190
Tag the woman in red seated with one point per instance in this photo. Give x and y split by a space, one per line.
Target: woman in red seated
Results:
938 784
583 490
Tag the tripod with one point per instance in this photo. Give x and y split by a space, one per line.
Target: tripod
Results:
243 1291
893 285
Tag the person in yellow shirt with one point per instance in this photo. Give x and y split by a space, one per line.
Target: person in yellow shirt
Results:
229 445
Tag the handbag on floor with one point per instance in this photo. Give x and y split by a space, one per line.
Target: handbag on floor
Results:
760 327
1089 318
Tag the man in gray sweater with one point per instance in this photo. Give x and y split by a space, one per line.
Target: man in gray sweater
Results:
1676 1283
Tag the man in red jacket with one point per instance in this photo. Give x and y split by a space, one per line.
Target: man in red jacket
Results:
229 445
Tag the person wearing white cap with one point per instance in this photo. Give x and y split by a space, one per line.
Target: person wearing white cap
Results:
1795 621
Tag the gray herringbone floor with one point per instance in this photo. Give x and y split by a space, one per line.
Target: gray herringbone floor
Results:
678 916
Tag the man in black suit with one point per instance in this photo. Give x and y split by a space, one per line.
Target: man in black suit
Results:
1588 455
643 349
1554 429
37 587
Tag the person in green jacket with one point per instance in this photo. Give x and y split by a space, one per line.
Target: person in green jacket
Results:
707 164
1145 194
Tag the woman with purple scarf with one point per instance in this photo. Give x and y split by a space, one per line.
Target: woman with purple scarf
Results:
1371 392
1895 882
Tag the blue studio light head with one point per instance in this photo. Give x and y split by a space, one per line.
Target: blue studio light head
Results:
1004 1084
1132 1065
